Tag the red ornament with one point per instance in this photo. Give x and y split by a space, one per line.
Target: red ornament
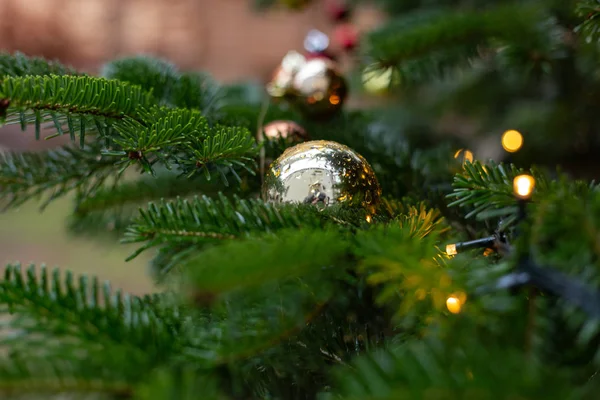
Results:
338 10
346 36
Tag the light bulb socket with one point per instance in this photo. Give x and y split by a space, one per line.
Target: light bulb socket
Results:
488 242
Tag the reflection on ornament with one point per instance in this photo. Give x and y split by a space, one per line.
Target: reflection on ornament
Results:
322 173
467 155
379 80
289 131
316 41
281 81
320 89
314 86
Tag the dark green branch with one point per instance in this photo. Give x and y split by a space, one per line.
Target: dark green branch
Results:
203 219
78 102
24 176
18 64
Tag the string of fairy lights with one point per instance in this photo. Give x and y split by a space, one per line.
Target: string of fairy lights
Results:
527 272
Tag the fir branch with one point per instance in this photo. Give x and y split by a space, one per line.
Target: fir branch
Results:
24 176
162 78
251 262
422 221
488 190
589 11
45 377
111 209
158 131
151 74
77 103
204 220
436 41
53 306
227 149
198 91
164 185
183 137
181 383
18 64
250 322
453 368
402 261
110 223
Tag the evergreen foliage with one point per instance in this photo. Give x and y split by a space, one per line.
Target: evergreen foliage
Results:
293 302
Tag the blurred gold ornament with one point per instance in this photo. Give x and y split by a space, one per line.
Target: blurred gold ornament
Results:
377 80
320 88
288 131
316 87
283 76
323 173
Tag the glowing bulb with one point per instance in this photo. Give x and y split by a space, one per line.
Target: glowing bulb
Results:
451 249
369 219
334 99
523 186
453 304
512 141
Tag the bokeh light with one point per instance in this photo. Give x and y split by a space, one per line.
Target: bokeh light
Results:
523 186
512 141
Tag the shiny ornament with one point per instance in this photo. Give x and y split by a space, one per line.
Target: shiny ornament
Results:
323 173
315 86
287 131
319 88
281 82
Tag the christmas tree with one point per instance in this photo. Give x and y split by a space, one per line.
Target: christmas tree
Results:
446 277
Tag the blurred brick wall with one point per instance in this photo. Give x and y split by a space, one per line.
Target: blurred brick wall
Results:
224 37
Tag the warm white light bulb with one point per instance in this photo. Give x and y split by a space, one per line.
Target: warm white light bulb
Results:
451 249
453 304
523 186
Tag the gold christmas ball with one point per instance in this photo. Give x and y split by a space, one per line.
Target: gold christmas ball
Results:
323 173
280 85
319 88
288 131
